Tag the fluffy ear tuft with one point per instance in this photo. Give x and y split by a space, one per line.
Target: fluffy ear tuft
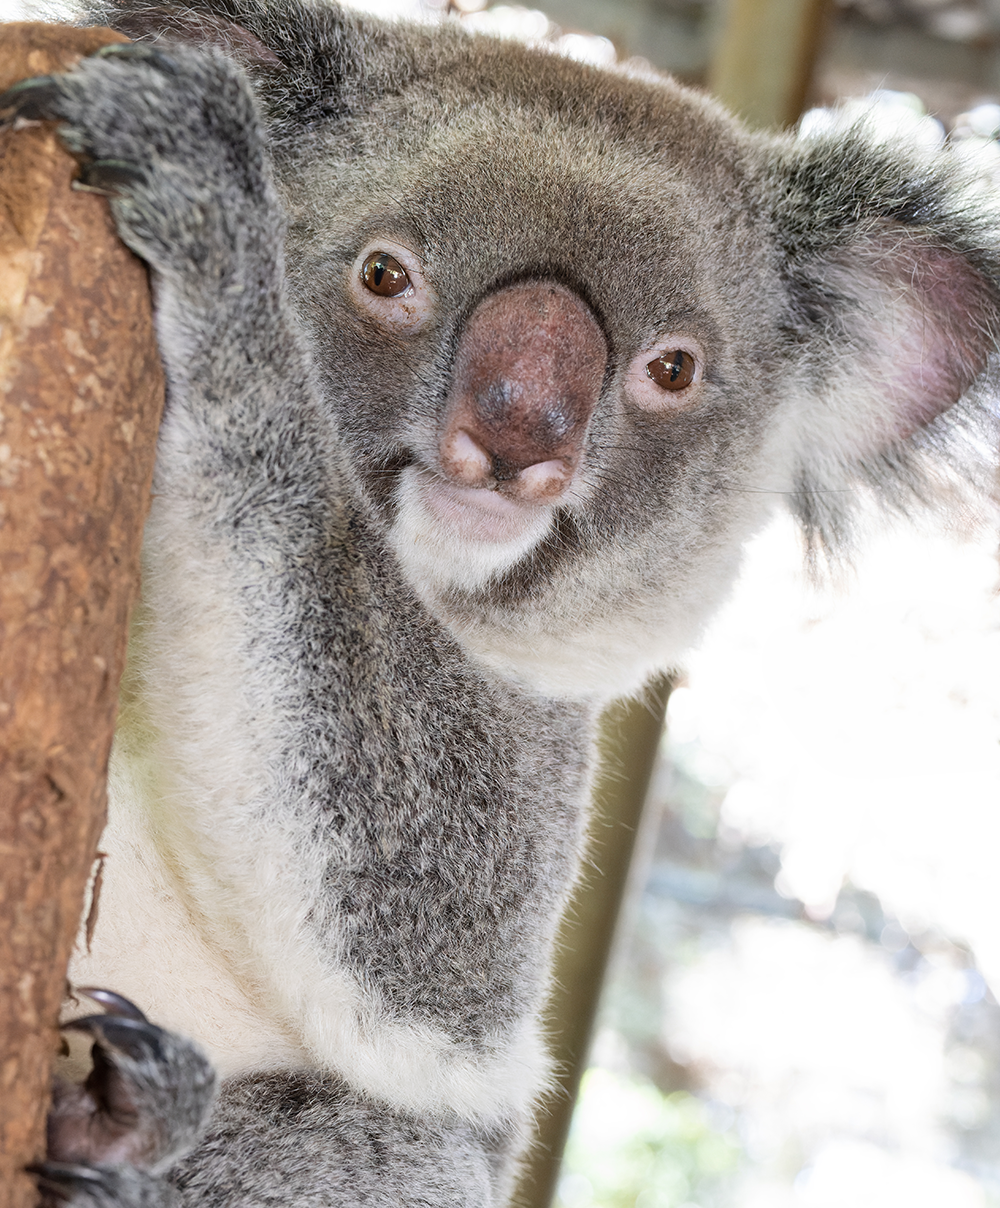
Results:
194 27
312 62
894 278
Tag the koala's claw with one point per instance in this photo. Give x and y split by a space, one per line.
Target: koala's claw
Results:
34 99
109 177
43 99
123 1027
69 1183
113 1004
139 52
142 1106
37 98
137 1039
62 1178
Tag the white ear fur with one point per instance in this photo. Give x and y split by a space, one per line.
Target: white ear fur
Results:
906 326
913 325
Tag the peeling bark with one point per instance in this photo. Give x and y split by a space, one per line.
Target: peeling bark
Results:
80 396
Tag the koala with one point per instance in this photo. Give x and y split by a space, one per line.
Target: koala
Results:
483 364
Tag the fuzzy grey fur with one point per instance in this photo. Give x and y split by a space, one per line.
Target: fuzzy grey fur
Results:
370 772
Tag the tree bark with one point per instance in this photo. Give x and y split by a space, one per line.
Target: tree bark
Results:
80 396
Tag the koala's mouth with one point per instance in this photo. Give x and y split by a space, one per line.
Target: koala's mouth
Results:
489 515
448 536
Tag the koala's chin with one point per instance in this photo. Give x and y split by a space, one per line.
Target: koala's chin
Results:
435 518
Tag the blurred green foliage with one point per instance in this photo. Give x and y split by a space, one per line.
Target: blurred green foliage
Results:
631 1146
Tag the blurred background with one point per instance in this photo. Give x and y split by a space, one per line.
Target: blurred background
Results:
801 1009
802 1005
945 51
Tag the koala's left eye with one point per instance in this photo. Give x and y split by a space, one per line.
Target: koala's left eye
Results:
384 275
666 376
674 370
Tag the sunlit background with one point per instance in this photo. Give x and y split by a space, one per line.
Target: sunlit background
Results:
802 1011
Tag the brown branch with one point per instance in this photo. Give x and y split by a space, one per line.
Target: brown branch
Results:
80 396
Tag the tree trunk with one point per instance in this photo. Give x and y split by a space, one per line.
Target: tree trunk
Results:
80 396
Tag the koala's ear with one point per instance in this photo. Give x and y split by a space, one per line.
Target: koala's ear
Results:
196 27
310 61
892 261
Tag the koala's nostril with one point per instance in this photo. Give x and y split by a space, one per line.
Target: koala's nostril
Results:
543 481
465 461
528 373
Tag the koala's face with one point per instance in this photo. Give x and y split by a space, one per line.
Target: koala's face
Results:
550 340
580 331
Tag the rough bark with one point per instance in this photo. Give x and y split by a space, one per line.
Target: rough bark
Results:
80 396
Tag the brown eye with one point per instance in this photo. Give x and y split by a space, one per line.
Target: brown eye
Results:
672 371
384 275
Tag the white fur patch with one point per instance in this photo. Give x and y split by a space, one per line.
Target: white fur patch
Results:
149 947
435 556
212 875
603 662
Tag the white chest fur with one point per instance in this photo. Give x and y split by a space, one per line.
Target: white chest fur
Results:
148 946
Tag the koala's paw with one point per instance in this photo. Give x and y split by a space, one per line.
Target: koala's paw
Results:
68 1185
174 139
143 1106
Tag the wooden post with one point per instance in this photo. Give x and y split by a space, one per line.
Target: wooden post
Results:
764 58
629 741
80 397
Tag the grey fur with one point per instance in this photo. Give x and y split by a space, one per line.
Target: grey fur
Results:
431 1163
421 759
94 1186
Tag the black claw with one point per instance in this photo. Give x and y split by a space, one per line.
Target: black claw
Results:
32 98
114 1004
140 52
99 1184
66 1172
110 176
62 1178
135 1038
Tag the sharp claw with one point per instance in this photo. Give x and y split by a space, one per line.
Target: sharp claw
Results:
135 1038
61 1178
109 176
137 51
31 98
99 1184
114 1004
65 1172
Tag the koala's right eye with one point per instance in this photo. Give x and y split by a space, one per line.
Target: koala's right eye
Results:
385 276
386 282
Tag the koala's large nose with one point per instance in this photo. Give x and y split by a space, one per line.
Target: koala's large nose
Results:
528 373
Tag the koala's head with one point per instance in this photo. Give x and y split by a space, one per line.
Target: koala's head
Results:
580 330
